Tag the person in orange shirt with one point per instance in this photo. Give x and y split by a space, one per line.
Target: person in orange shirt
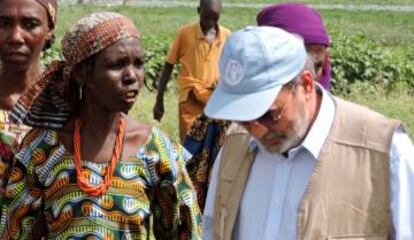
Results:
197 48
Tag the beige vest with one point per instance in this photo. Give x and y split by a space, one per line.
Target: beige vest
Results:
348 193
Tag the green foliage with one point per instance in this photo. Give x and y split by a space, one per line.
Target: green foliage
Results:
155 53
156 50
358 59
49 55
366 66
355 58
357 2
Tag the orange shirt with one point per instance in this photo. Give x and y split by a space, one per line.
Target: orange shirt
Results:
199 60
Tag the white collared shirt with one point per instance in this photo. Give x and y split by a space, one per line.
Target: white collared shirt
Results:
276 184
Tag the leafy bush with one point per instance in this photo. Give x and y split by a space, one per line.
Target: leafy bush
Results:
354 59
358 59
155 54
49 55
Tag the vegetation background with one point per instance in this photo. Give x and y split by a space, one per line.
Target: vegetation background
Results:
372 51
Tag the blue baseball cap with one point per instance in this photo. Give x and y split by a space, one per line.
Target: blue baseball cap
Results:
254 65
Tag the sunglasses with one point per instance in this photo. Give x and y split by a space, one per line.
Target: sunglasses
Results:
272 116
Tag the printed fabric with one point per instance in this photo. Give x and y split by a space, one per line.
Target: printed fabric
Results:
150 197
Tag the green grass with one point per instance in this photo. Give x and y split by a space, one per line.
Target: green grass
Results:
395 30
390 28
355 2
397 104
380 2
142 111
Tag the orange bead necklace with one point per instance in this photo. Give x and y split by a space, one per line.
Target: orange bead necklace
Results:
82 181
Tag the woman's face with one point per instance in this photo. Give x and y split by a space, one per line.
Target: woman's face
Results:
117 75
24 29
319 54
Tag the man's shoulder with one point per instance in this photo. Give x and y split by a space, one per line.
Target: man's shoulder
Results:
188 28
39 140
235 129
237 137
362 126
224 31
356 108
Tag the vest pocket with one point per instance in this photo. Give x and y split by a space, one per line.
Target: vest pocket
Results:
359 237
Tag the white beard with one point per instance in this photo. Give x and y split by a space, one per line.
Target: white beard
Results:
296 135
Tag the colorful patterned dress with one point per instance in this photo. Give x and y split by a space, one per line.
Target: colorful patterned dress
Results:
10 136
150 197
204 140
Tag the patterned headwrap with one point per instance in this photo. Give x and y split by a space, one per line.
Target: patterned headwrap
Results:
49 102
300 19
51 8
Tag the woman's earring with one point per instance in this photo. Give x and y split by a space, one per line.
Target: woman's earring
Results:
80 92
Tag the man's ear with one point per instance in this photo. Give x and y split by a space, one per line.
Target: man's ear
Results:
308 81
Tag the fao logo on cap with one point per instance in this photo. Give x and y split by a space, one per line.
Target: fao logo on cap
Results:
234 73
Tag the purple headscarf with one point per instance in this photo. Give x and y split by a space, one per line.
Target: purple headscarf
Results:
300 19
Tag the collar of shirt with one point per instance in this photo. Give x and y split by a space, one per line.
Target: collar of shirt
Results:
200 34
318 133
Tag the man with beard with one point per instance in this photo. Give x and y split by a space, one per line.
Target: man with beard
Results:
301 164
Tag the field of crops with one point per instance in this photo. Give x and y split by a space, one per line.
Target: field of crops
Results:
372 53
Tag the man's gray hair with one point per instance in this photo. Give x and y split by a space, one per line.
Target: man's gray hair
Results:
309 66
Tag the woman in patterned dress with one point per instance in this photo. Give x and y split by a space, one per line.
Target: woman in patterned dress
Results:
88 168
26 29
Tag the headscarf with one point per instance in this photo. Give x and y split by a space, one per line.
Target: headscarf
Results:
51 8
300 19
48 103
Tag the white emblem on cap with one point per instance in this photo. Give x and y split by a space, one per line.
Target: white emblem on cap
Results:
234 72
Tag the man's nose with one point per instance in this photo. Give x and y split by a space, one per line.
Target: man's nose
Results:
257 130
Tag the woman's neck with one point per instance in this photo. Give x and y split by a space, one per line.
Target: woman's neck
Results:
98 132
97 121
16 81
